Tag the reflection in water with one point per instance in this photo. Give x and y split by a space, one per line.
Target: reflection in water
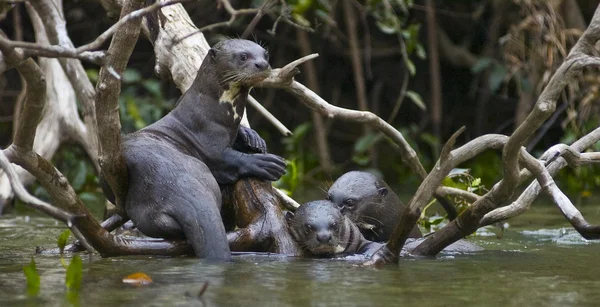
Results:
548 267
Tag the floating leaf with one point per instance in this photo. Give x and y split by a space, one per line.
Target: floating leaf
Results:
62 240
137 279
74 274
33 278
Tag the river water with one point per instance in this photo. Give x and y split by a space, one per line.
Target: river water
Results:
540 261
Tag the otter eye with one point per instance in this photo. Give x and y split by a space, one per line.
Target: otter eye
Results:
243 56
308 227
349 203
334 226
266 55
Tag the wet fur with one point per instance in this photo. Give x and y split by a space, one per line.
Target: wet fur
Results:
323 218
176 164
376 209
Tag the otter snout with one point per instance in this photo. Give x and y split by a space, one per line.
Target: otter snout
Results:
262 65
324 237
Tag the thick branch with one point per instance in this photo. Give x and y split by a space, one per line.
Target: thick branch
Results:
35 98
108 89
56 31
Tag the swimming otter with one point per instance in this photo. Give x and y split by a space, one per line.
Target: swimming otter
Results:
176 164
370 203
321 230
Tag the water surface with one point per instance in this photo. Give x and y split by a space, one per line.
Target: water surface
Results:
539 261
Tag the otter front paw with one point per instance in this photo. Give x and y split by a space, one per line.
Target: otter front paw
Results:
248 140
265 166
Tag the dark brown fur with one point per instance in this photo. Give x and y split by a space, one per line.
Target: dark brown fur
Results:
321 230
176 164
370 203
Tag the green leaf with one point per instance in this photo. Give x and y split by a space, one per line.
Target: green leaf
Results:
481 65
88 197
410 66
416 99
360 159
366 142
448 182
476 182
299 19
62 240
420 51
92 74
497 77
74 274
152 86
33 278
80 176
131 76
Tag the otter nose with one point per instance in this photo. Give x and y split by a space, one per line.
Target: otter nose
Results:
261 65
324 237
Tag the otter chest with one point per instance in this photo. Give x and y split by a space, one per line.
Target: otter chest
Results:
233 100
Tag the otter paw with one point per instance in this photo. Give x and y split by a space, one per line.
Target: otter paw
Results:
248 140
266 166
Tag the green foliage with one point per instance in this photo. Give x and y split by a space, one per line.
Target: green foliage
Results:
301 10
33 278
301 159
497 73
362 147
581 181
74 274
73 280
416 99
62 240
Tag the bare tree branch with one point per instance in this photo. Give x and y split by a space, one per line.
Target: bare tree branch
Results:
522 204
108 89
57 35
580 56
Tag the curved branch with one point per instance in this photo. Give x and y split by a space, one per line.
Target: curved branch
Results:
580 56
524 201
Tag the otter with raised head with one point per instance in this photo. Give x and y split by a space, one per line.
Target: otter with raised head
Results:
176 164
321 230
370 203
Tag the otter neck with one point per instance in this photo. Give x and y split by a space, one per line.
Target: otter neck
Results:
200 111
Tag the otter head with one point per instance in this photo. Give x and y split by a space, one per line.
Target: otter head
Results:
357 191
239 62
317 227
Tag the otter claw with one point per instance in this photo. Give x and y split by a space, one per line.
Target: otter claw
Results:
248 140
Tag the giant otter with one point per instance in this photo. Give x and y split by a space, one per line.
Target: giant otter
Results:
176 164
370 203
321 230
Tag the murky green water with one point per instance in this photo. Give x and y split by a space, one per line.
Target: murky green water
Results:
537 263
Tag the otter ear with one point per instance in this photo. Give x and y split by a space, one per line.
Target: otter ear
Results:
382 191
289 215
212 53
